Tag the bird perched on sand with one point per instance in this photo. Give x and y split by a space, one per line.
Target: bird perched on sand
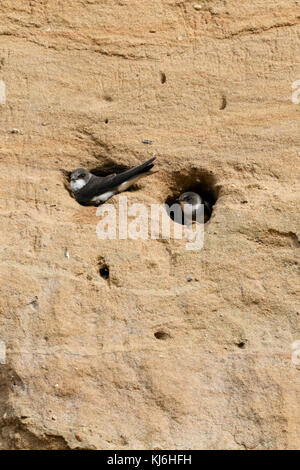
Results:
191 205
94 190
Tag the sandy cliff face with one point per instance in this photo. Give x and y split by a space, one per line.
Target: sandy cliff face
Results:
176 349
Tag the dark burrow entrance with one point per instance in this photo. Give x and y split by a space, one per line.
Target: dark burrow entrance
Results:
103 269
162 335
104 272
198 181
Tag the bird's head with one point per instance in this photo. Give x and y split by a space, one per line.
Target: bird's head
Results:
79 178
189 198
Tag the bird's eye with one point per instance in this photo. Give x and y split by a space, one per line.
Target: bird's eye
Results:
81 176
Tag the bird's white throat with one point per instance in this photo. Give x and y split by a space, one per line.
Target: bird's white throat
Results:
78 184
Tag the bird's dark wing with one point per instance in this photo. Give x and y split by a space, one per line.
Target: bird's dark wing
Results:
100 184
113 181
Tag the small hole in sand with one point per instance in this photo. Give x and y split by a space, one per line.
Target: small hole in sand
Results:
241 344
223 102
106 121
161 335
108 98
103 268
163 77
104 271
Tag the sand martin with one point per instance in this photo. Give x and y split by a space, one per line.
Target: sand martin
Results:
95 190
190 203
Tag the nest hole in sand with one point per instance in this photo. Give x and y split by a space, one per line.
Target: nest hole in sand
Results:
195 180
103 269
163 335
